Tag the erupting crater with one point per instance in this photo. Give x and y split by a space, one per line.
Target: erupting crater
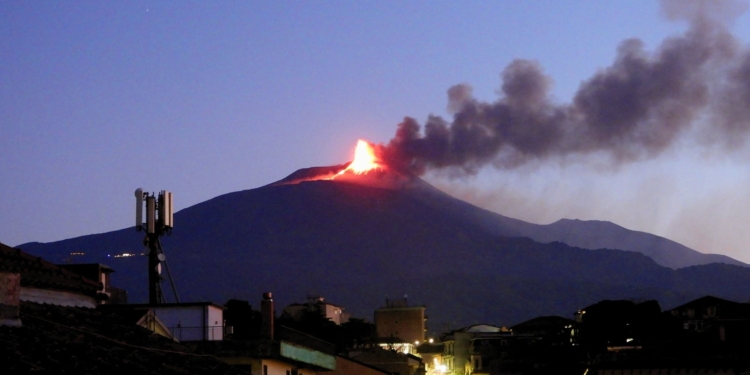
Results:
365 169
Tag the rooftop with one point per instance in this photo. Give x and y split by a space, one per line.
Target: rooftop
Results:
90 341
38 273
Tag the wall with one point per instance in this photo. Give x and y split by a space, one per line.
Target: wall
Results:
462 345
304 354
215 329
406 323
333 312
10 291
345 366
275 367
188 323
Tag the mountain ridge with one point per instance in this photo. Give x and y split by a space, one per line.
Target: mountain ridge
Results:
356 244
599 234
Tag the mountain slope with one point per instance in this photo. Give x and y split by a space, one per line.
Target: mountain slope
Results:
605 235
584 234
357 244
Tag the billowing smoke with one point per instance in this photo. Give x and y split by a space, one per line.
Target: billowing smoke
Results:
694 83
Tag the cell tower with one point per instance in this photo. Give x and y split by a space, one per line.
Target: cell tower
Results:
159 221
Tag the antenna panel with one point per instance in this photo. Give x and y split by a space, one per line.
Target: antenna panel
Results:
165 209
138 209
150 215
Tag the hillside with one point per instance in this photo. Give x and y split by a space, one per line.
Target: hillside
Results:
595 234
357 245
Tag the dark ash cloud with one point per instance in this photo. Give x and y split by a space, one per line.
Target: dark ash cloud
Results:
632 110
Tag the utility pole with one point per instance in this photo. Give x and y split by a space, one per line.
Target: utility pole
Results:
159 221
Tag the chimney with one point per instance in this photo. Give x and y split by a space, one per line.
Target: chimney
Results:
267 313
10 291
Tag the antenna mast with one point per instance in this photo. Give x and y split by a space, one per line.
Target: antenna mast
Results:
159 221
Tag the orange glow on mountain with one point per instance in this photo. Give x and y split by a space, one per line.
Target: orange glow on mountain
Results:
364 159
366 169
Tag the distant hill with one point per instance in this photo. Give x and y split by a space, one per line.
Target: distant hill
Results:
360 239
591 234
605 235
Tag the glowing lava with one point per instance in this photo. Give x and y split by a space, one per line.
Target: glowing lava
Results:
364 159
367 169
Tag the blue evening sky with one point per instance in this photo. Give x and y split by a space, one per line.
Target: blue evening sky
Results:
98 98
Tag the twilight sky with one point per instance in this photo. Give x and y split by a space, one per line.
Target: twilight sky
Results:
206 98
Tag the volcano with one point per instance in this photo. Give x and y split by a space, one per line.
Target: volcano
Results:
358 237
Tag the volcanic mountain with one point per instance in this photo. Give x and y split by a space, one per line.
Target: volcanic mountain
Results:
358 237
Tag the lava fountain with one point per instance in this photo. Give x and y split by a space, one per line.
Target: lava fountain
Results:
364 159
367 168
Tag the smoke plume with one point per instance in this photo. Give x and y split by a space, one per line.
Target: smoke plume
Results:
694 83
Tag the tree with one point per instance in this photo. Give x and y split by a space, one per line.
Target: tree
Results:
246 321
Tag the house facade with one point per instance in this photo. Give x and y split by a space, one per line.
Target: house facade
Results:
100 272
723 319
43 282
458 357
318 305
399 326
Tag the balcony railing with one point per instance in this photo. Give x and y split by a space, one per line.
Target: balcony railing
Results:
209 333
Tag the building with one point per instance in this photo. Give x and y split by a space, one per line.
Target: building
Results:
432 357
317 304
615 325
708 335
278 351
457 350
555 330
73 340
100 272
700 353
399 326
191 321
719 318
43 282
485 351
146 318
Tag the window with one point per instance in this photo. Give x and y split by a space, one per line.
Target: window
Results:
265 370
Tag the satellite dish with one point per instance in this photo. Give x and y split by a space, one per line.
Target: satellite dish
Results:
158 268
161 257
